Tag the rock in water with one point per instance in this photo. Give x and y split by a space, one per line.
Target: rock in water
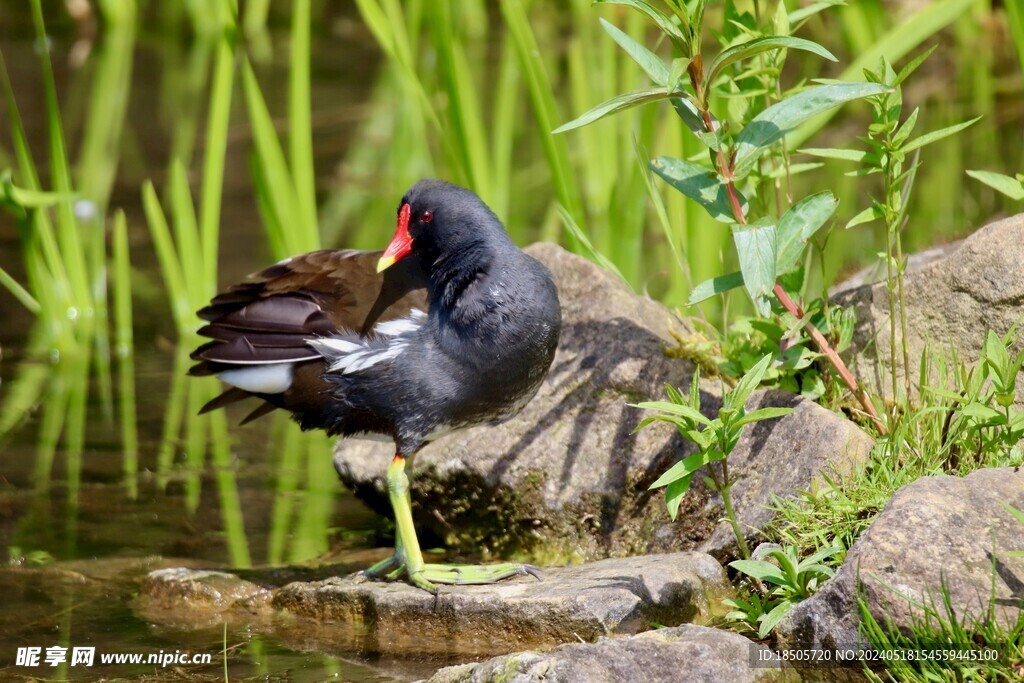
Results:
696 654
616 596
566 479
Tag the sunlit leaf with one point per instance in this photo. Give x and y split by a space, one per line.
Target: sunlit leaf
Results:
762 414
936 135
648 61
699 184
615 104
674 409
684 468
774 617
715 285
664 23
773 123
754 47
798 225
757 250
750 381
872 213
1011 187
857 155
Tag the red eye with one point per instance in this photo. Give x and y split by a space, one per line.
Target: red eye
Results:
427 216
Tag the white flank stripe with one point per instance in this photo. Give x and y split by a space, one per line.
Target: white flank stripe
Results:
260 379
352 354
400 326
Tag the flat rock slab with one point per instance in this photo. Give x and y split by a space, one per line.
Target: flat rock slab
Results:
936 532
696 654
624 595
570 604
566 480
974 286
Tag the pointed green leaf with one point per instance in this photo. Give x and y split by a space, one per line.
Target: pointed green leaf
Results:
664 23
688 112
699 184
759 569
936 135
1014 512
743 51
748 383
673 409
809 11
774 617
615 104
872 213
757 250
648 61
857 155
773 123
684 468
1011 187
715 285
798 225
911 66
674 495
762 414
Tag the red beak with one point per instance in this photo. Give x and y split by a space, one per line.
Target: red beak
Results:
401 243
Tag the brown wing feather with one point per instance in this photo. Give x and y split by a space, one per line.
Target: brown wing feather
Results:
268 318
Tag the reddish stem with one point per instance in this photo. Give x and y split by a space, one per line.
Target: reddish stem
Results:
832 355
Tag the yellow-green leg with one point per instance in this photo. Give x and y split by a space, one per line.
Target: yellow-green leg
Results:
408 559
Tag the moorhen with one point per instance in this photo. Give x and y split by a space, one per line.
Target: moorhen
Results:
450 327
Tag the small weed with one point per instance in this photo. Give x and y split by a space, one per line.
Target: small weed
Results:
715 439
778 586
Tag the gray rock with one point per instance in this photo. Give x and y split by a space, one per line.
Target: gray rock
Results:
198 597
691 653
566 480
937 531
951 301
584 602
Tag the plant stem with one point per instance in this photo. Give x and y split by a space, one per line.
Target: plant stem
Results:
723 486
833 357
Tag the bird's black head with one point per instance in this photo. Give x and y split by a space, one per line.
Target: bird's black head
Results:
439 222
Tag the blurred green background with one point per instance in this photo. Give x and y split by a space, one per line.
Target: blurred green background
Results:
263 128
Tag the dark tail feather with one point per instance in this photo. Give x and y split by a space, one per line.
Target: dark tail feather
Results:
232 395
258 413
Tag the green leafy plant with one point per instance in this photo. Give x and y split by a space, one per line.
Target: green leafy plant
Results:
778 586
796 364
715 439
744 149
890 147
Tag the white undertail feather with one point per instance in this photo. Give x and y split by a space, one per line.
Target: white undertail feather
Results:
272 378
388 340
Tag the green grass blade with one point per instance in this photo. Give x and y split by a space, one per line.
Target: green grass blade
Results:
300 125
170 266
544 109
124 351
214 157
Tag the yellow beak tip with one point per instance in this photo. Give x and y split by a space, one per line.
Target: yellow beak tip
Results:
384 263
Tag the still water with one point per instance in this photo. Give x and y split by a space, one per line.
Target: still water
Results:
76 536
